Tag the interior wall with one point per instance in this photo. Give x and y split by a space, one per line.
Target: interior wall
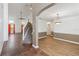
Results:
42 26
1 27
68 25
15 15
17 26
44 29
14 11
68 29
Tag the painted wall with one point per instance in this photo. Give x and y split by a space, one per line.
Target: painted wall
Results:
15 17
68 29
69 19
42 25
69 25
17 26
68 15
1 27
44 28
14 11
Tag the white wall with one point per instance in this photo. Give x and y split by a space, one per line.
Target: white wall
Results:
14 11
69 25
1 27
15 14
42 26
69 17
17 26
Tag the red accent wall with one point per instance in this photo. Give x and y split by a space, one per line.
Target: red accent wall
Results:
9 28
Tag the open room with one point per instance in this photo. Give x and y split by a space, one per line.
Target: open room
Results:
39 29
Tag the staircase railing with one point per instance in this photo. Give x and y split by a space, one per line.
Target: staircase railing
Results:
27 33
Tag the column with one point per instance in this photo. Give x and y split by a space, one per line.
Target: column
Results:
1 27
35 28
5 21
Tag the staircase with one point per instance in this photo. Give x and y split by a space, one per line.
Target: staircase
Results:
27 33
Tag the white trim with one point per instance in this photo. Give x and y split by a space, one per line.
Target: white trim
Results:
67 40
42 37
35 46
66 33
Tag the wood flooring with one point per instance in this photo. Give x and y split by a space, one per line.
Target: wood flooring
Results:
15 47
47 47
55 47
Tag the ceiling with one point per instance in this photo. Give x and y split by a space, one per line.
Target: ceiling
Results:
63 9
16 8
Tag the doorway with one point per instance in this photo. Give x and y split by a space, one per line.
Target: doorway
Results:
11 28
48 28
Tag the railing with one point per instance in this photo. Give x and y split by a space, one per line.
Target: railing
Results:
27 33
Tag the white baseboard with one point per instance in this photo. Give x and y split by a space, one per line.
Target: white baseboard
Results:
42 37
35 46
67 40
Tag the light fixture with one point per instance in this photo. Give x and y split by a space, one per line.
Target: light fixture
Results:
31 7
21 18
21 15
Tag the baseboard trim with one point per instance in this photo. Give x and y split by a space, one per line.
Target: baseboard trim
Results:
42 37
67 40
35 46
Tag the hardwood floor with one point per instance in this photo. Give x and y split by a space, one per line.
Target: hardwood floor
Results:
55 47
14 47
48 46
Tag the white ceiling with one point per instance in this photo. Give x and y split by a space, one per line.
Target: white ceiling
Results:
63 9
15 8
